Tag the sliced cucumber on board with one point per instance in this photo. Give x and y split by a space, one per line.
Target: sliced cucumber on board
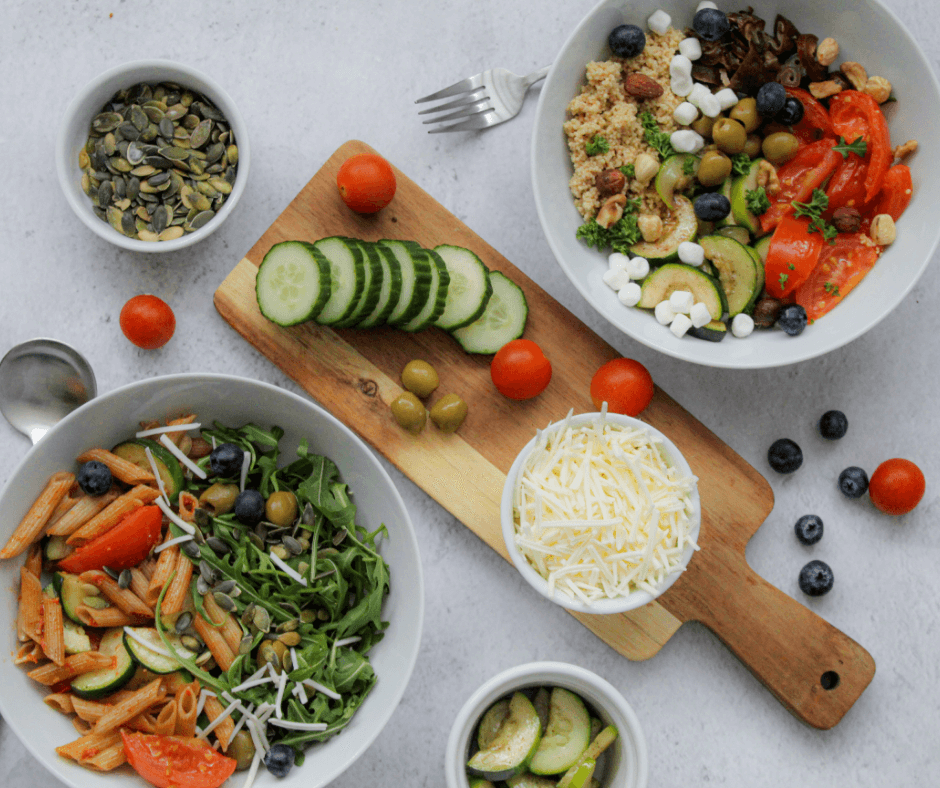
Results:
293 283
99 683
437 295
347 279
469 288
567 736
515 743
665 280
503 319
389 290
372 273
681 226
415 269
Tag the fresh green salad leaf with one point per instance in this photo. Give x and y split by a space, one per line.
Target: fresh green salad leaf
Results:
859 147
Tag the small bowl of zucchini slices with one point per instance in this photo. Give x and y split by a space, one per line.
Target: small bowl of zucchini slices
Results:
546 725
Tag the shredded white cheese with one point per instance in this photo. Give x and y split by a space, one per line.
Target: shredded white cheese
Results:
178 540
253 769
156 473
173 516
316 685
287 569
220 719
243 476
347 641
147 644
601 510
175 451
299 726
172 428
248 684
281 684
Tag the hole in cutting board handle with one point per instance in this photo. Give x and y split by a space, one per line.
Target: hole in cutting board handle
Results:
829 680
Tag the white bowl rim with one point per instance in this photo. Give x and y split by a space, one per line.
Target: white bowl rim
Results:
636 598
545 673
66 169
43 755
826 344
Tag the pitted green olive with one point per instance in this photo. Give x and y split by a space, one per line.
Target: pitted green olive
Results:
745 113
281 508
449 412
219 498
420 378
729 136
714 168
703 126
780 147
242 749
752 146
409 412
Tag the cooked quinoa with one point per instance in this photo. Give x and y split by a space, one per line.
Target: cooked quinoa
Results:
604 109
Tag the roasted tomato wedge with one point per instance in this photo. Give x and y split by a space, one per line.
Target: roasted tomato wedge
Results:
807 170
841 266
846 188
791 256
855 114
124 546
176 761
815 123
896 191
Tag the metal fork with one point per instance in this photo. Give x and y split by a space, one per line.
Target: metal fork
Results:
481 101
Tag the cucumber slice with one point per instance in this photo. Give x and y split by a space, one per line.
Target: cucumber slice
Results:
737 271
469 288
415 269
491 721
740 186
171 473
99 683
715 331
661 283
389 290
371 283
503 319
437 296
516 742
153 656
581 772
347 279
293 283
55 548
673 178
75 636
681 226
567 736
71 593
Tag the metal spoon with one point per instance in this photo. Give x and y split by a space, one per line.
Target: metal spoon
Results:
41 382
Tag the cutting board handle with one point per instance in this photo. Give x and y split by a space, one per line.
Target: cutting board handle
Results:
814 670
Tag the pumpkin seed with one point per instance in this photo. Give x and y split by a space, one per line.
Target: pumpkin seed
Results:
171 234
245 644
225 587
190 548
224 601
192 643
109 572
308 616
128 225
207 571
146 235
183 622
202 587
247 613
200 135
203 659
115 218
256 540
124 579
339 537
289 626
201 219
261 619
290 639
106 121
218 546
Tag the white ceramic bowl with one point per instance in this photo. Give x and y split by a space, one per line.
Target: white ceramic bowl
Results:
234 401
627 765
636 598
855 24
73 133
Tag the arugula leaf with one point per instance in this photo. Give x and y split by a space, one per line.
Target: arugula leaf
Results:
740 164
628 170
597 145
756 201
859 147
654 137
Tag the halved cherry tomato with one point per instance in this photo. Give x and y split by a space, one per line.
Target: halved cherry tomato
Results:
791 256
147 321
896 486
125 545
176 761
815 123
846 188
841 266
896 191
520 370
855 114
806 171
366 182
624 384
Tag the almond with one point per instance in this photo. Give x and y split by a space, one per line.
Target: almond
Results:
642 87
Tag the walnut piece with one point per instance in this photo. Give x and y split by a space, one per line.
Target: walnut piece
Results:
651 227
821 90
644 168
611 211
878 88
902 151
883 231
767 178
855 73
609 182
827 51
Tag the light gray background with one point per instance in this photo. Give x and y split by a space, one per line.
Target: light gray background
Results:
310 75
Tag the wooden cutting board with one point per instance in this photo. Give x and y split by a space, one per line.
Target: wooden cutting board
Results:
815 670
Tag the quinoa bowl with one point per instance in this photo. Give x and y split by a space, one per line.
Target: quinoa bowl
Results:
566 195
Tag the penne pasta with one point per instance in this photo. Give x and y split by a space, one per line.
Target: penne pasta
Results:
223 731
81 513
29 654
107 617
108 759
166 723
53 633
147 567
212 637
89 745
140 583
166 566
81 726
33 562
178 592
186 712
29 614
112 514
229 628
69 500
121 469
122 598
177 436
31 526
125 710
61 701
75 665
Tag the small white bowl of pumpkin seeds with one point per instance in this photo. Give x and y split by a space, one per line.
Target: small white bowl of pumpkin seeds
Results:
152 155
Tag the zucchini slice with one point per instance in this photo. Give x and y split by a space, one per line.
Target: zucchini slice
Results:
530 781
71 593
728 221
372 273
469 288
154 656
491 721
55 548
415 269
347 279
99 683
76 638
389 289
740 186
736 231
714 331
293 283
661 283
672 176
516 742
437 295
503 319
567 736
760 246
171 473
737 271
681 226
759 268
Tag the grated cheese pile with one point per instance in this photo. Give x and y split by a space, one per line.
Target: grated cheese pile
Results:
601 511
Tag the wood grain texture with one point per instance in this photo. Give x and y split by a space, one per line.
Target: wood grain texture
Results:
355 375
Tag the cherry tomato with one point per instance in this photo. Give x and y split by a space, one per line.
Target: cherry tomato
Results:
520 369
896 486
147 321
842 265
366 182
166 761
855 114
896 191
125 545
791 256
806 171
624 384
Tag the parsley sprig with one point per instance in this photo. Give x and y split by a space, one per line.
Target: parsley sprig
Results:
757 201
859 147
654 137
814 210
628 170
597 145
740 164
620 236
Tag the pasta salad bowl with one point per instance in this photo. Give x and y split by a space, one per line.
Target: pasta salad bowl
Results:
381 521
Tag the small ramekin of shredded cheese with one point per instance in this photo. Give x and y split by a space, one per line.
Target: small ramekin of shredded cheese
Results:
600 513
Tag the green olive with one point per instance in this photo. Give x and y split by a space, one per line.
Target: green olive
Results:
219 498
714 168
420 378
780 147
281 508
242 749
745 113
729 136
449 412
409 412
703 126
271 651
752 146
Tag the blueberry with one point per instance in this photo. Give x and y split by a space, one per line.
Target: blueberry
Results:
226 460
710 24
626 41
792 319
94 478
833 425
809 528
770 98
279 759
784 456
712 206
249 507
792 112
816 578
853 482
